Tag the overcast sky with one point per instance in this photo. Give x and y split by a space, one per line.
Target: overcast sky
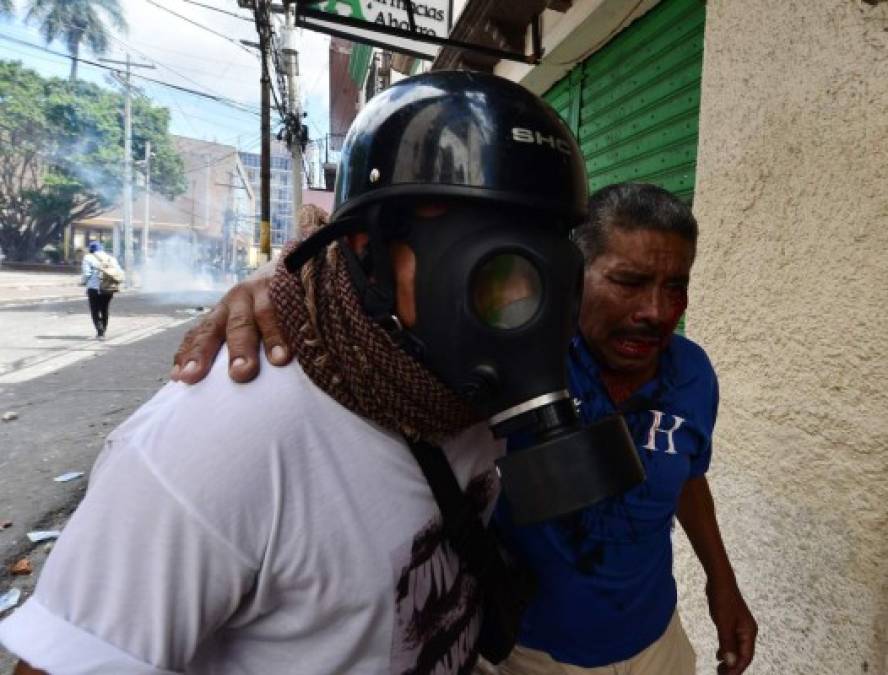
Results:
189 56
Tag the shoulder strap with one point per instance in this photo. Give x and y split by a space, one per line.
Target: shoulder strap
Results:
462 525
455 508
506 586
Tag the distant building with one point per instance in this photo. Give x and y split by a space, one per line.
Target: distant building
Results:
213 218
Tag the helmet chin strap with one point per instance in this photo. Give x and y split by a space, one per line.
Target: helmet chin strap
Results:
372 273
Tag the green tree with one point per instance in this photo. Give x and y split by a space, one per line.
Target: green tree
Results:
61 155
75 22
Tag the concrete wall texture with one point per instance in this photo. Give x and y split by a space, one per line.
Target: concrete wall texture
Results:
789 296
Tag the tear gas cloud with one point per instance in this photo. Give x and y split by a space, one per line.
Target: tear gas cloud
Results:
179 268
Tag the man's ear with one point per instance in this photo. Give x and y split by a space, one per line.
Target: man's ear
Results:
358 242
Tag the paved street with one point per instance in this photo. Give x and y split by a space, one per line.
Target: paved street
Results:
69 390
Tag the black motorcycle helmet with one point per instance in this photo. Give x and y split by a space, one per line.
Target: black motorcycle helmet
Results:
461 134
455 134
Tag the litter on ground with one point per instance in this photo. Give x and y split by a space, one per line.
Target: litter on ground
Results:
10 599
23 566
43 535
65 477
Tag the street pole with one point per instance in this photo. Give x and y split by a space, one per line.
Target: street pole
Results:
127 170
265 160
128 181
207 198
296 114
146 225
262 15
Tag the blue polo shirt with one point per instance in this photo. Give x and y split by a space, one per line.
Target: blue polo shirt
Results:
606 589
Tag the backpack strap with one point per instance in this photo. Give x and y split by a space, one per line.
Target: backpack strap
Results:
439 475
507 587
462 525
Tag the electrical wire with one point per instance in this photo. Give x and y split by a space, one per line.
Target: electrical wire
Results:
245 107
199 25
173 70
262 20
219 99
154 60
218 160
221 11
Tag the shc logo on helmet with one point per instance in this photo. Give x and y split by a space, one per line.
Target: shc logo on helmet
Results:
522 135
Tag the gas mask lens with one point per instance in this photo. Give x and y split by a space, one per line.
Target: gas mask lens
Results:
506 292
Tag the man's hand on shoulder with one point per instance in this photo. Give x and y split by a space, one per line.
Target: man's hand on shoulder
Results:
243 318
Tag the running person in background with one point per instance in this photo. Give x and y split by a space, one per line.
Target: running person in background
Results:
98 293
607 599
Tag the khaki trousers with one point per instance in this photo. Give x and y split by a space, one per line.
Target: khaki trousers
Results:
671 654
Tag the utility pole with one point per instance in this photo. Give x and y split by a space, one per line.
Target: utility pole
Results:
127 169
146 225
294 138
207 194
265 163
262 17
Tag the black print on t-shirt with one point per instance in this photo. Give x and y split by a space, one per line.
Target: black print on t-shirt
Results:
437 600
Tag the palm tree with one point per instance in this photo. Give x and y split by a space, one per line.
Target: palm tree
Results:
76 21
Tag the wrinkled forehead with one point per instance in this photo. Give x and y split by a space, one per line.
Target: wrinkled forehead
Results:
647 250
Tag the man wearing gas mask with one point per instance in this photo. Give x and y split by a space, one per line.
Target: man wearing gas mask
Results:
607 596
289 525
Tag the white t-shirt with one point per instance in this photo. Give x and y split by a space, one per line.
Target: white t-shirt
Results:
258 528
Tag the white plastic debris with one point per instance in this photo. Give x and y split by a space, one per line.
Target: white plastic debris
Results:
10 599
9 416
65 477
43 535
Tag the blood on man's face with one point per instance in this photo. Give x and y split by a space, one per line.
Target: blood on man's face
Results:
634 294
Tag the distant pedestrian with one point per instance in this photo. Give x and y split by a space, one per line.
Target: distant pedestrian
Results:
102 277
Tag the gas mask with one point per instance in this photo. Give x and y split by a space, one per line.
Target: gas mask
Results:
497 299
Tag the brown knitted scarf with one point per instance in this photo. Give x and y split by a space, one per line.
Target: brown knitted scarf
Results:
353 359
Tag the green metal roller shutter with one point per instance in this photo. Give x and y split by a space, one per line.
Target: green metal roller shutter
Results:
635 104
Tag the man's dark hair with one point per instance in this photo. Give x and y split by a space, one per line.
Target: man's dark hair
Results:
633 206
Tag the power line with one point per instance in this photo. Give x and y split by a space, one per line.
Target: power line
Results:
169 68
219 99
130 47
221 11
199 25
187 55
215 162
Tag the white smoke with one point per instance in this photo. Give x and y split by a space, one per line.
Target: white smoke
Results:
179 266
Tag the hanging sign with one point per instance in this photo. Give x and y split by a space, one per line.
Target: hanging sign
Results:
383 23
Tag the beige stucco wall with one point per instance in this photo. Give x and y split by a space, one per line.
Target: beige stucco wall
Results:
789 296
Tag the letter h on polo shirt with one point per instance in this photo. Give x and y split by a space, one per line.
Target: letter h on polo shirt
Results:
657 427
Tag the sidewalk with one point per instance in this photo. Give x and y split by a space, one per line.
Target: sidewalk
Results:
26 287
